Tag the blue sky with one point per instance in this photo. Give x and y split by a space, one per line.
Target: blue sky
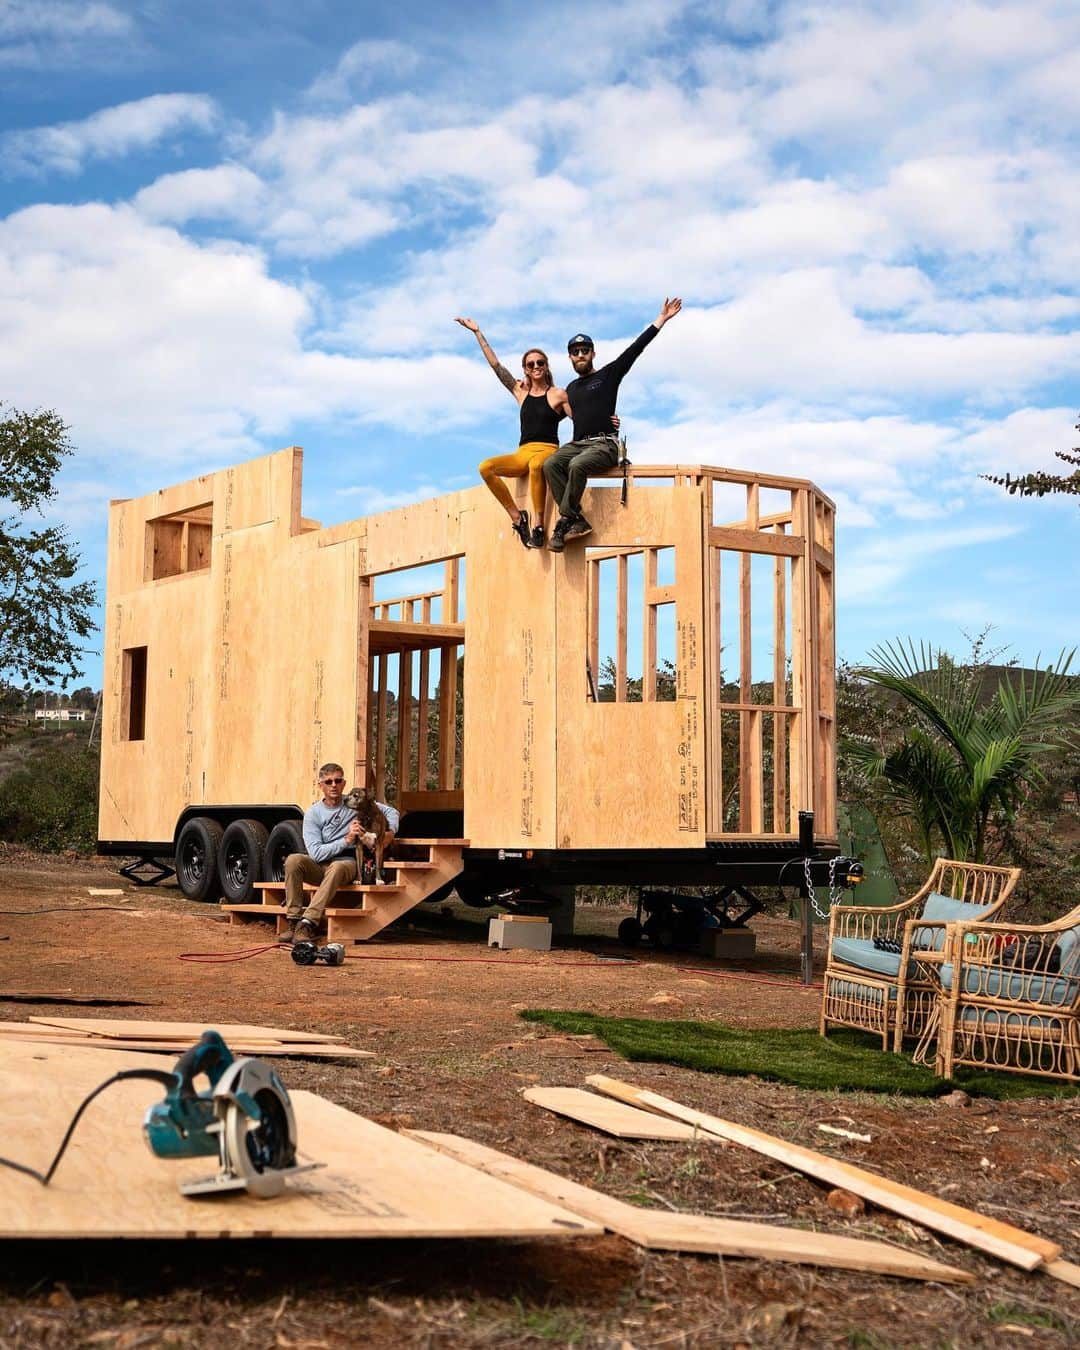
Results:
225 229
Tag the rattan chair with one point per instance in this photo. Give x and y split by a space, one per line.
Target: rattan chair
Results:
1010 998
894 994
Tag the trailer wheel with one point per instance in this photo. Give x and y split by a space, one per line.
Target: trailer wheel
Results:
286 837
476 894
630 931
196 858
240 859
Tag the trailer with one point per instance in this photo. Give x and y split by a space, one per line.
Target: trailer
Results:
656 705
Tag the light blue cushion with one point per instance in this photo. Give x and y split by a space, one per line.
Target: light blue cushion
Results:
1016 986
993 1019
1068 945
862 993
944 909
861 952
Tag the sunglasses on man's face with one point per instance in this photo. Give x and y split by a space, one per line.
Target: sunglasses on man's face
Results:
580 351
333 782
535 365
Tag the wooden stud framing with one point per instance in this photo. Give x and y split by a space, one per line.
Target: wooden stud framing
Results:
242 562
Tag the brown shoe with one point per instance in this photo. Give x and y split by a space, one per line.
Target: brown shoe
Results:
288 933
305 931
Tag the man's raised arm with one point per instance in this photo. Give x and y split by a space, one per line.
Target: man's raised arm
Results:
626 359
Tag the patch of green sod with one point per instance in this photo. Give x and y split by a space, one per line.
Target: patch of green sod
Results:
845 1062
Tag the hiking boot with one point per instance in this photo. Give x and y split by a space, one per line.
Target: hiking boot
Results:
536 539
557 542
305 931
288 934
521 528
579 528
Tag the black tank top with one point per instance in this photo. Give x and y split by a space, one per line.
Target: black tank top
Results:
539 420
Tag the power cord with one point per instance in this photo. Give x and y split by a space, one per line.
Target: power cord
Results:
168 1080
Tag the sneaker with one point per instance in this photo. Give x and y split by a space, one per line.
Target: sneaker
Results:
579 528
521 528
306 931
536 539
557 542
288 934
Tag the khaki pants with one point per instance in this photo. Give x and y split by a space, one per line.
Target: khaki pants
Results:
300 868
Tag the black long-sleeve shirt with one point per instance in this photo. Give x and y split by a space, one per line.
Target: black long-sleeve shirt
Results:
592 397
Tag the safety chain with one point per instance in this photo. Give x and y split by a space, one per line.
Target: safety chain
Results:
835 892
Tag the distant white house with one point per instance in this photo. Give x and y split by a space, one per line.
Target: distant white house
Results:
61 715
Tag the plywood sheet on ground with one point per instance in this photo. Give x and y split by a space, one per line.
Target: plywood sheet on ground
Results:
134 1028
663 1231
109 1185
625 1122
262 1049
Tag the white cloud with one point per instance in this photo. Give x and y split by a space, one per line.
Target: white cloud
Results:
51 34
360 65
227 192
107 134
152 346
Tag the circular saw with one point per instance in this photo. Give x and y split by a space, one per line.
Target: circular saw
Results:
245 1117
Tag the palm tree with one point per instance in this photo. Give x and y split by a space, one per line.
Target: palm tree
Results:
965 762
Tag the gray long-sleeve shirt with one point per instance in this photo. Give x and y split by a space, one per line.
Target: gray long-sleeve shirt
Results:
325 829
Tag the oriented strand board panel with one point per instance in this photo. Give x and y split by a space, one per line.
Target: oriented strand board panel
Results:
134 1028
664 1231
109 1185
632 775
602 1113
510 654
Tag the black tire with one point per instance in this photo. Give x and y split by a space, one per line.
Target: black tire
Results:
196 859
286 837
241 860
630 932
475 894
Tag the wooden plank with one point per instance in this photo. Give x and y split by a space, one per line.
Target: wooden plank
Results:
134 1028
620 630
382 665
966 1225
648 667
404 722
258 1049
625 1122
394 635
422 729
376 1183
755 541
660 1230
448 682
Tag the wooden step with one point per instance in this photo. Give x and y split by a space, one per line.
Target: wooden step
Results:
272 911
354 889
427 843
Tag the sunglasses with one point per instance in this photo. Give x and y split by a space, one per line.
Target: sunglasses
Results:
535 365
333 782
580 351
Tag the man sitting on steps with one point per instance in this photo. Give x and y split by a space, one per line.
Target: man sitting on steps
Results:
594 447
331 834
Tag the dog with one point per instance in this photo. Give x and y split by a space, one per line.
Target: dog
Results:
372 821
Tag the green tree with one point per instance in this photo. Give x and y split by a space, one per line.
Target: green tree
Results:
44 612
966 763
1042 484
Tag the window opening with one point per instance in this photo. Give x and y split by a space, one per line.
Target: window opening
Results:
133 695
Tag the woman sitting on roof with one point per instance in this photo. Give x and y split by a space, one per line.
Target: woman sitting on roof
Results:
543 405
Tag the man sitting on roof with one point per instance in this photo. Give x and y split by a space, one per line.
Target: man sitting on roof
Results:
331 834
595 446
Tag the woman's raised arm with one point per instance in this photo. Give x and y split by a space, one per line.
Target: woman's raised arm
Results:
493 361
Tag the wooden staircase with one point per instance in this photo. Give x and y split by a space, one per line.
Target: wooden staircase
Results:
358 912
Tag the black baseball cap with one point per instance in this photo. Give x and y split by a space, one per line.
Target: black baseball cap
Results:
580 340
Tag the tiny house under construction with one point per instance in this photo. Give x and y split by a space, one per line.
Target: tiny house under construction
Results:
654 704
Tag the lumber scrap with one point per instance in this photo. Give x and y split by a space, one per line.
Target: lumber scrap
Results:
260 1049
966 1225
137 1029
376 1183
660 1230
603 1113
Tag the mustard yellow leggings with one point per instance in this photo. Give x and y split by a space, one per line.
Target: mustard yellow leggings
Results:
526 459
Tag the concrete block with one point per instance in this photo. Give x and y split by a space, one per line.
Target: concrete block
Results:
728 944
509 932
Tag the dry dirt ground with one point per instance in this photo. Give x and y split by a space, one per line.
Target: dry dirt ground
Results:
440 1011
